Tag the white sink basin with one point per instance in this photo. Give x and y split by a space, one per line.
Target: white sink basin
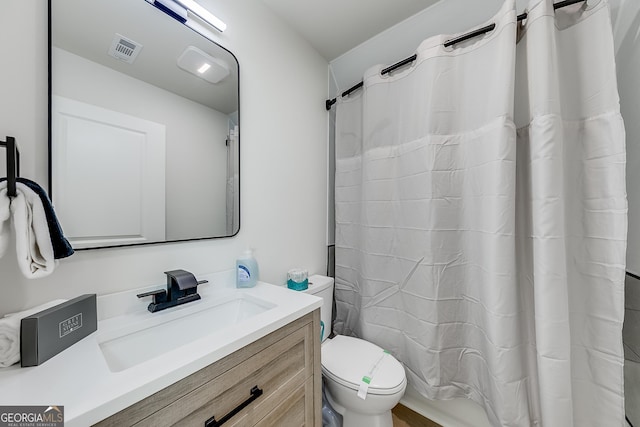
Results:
154 334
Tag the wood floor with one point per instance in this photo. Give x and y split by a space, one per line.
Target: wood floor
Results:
405 417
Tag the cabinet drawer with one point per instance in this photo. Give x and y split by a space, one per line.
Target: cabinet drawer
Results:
278 371
295 410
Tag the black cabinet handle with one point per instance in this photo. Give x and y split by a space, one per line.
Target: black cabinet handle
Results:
255 393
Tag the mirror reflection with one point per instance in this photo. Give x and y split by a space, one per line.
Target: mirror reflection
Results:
144 138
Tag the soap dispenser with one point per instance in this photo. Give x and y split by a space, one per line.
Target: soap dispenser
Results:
246 270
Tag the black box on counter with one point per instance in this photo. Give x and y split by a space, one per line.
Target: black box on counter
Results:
47 333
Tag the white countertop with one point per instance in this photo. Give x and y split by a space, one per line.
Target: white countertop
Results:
80 379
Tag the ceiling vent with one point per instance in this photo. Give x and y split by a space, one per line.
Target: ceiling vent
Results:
124 49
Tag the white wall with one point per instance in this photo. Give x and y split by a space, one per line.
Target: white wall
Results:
283 161
195 139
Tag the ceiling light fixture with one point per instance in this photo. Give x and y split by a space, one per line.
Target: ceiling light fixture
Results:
203 65
177 9
203 14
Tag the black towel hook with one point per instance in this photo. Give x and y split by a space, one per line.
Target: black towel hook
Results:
13 164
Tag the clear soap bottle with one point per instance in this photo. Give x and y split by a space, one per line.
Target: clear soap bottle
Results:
246 270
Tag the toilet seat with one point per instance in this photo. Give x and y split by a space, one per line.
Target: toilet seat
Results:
346 360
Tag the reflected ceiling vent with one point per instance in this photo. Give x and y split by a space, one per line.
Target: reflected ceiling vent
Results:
124 49
203 65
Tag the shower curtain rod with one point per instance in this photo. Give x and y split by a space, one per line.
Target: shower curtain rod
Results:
448 43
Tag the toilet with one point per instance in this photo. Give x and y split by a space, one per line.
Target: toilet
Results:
362 381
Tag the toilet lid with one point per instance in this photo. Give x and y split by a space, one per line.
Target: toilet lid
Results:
347 360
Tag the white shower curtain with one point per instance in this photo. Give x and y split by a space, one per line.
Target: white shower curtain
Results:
490 260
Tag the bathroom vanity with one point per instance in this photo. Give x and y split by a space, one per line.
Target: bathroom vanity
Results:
243 356
284 367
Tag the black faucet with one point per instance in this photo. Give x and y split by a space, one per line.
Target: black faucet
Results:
181 288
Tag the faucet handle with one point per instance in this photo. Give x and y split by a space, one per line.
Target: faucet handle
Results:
150 293
157 295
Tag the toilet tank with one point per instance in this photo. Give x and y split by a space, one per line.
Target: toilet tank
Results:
322 286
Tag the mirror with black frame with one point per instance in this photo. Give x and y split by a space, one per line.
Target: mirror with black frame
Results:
144 126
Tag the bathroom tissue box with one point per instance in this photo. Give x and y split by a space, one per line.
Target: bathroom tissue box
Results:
47 333
297 279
